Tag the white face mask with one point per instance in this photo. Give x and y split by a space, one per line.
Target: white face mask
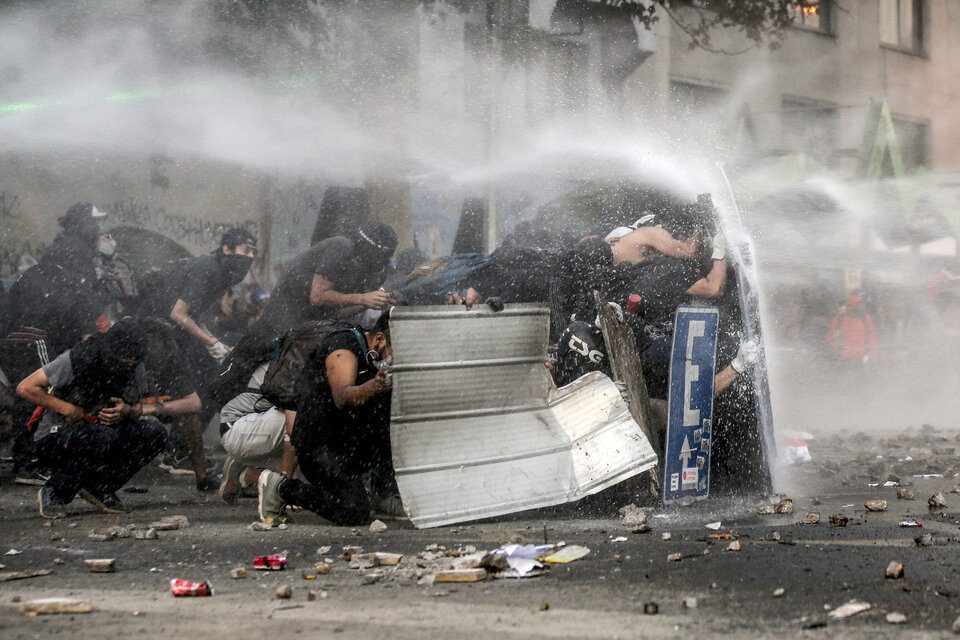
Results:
106 245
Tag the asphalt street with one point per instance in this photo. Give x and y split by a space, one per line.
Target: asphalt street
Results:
709 592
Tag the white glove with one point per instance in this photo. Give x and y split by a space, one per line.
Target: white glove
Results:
747 355
719 246
218 351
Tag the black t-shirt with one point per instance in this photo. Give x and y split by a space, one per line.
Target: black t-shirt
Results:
333 259
200 282
351 435
662 283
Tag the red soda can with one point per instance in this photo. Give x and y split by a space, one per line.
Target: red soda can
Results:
276 562
633 303
183 588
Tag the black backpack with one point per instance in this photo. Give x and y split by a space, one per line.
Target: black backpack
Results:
253 350
280 379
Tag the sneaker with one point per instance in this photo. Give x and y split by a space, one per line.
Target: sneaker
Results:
106 502
51 507
230 485
31 476
177 464
270 504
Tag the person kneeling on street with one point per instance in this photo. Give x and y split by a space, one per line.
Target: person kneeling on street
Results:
93 437
341 430
256 435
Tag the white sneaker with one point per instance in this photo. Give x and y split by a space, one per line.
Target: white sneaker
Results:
269 503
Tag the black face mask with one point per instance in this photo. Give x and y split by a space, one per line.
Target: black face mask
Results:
236 266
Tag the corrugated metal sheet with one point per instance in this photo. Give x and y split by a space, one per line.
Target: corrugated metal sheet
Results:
477 429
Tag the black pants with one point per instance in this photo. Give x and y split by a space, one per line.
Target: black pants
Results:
98 458
333 490
203 368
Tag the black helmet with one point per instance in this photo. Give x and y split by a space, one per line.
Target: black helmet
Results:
375 244
580 350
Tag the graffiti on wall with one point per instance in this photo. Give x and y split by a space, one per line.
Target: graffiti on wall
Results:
196 231
9 206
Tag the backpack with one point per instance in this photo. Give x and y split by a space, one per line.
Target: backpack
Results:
427 269
298 344
234 375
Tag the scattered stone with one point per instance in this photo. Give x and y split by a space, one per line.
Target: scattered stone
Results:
875 505
324 550
632 516
46 606
810 518
643 528
385 559
59 561
7 576
372 577
778 592
282 526
238 574
937 501
460 575
99 537
852 608
896 618
675 557
147 534
714 526
690 603
363 561
839 520
774 536
665 535
350 551
766 510
311 596
956 627
256 526
172 523
905 494
54 537
734 546
785 506
894 570
924 540
322 568
651 608
284 591
101 565
119 532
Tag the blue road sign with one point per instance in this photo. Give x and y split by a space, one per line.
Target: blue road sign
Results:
686 464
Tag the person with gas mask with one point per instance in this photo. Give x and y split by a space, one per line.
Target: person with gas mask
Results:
52 306
341 430
93 437
334 278
187 293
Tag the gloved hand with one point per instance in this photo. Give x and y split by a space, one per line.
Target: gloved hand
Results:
747 355
495 303
218 351
719 246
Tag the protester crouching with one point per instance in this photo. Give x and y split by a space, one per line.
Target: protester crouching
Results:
185 293
52 305
92 434
341 431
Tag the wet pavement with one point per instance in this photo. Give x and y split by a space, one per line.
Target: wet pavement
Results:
710 590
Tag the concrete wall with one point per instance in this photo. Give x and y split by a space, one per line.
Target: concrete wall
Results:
186 200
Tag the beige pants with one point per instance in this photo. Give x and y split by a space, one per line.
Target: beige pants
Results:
256 439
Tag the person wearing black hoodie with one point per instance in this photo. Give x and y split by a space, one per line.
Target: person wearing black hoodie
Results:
185 294
93 435
53 305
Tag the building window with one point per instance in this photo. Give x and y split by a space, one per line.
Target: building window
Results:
812 14
911 141
901 24
809 127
